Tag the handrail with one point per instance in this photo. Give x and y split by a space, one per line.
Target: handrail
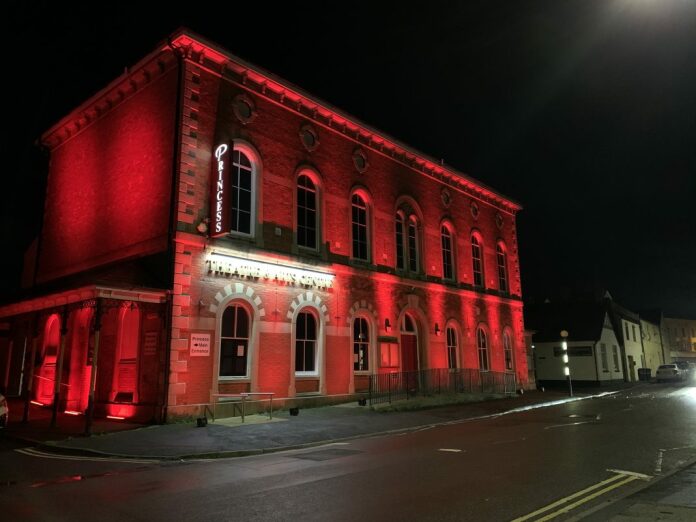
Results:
244 396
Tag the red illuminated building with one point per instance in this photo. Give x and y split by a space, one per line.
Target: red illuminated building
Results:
211 229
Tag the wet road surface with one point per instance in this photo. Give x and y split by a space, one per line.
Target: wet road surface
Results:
544 464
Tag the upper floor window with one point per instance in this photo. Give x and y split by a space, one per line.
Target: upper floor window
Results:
501 256
477 259
359 227
482 346
507 351
447 253
307 212
242 187
407 242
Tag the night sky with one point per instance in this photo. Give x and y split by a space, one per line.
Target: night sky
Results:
584 111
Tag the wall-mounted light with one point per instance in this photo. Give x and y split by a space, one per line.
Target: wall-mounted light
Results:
438 332
387 325
202 227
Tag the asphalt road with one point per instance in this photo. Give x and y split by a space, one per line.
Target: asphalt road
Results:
496 469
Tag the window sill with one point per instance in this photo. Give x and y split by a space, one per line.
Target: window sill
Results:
306 376
231 378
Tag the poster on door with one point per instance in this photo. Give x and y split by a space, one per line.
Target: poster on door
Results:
199 345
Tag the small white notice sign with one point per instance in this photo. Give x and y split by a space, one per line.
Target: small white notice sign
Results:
199 345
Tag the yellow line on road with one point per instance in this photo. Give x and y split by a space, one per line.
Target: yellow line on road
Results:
587 499
569 498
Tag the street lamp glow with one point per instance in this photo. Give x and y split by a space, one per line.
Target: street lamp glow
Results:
565 358
566 370
564 345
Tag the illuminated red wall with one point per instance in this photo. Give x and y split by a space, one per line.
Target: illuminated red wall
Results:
109 186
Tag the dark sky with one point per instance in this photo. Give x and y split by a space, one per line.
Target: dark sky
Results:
584 111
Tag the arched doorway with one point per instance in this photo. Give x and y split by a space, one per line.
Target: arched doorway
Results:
409 344
46 374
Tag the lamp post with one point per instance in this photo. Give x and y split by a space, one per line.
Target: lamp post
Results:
566 364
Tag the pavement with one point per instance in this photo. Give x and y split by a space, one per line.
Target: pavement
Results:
259 434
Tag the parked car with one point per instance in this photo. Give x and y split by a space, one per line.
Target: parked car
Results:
669 372
686 368
4 411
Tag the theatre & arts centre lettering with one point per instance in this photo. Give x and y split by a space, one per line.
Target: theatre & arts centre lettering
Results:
238 267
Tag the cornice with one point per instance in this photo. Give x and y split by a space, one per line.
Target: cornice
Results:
207 55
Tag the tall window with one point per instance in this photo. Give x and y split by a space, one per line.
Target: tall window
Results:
477 260
305 343
507 351
412 245
359 227
306 212
407 242
447 254
400 257
615 351
242 194
502 268
482 345
361 345
451 348
234 342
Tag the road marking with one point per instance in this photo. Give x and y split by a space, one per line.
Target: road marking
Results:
568 424
32 452
606 485
658 463
451 450
641 476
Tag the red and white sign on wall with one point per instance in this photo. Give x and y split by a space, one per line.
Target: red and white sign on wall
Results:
199 345
219 200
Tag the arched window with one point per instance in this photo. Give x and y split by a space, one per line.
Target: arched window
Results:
451 347
306 343
307 213
482 345
412 244
361 345
126 368
359 227
242 184
400 253
502 268
507 351
447 253
477 260
234 342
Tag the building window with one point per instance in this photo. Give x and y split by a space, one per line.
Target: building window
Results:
627 335
477 260
359 227
305 343
482 345
507 351
234 342
407 242
242 183
447 253
400 257
633 328
307 229
451 348
603 354
615 353
412 245
502 268
361 345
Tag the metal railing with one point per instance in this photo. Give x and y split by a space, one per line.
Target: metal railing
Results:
388 387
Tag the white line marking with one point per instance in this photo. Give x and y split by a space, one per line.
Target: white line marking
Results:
451 450
31 452
569 424
658 463
630 474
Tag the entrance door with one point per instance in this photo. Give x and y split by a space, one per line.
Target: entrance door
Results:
631 368
409 353
46 373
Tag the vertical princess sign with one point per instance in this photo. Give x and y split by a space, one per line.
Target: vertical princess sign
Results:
219 199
